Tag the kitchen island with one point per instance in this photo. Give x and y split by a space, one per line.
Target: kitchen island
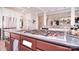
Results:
30 41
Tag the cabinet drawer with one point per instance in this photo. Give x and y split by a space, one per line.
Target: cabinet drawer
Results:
27 38
16 36
50 47
24 48
30 40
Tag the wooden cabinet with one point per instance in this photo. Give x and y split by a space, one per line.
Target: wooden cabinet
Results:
7 45
25 47
44 46
37 45
13 37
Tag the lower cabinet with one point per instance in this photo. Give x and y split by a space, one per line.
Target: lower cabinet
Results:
36 44
44 46
27 44
25 48
15 42
7 45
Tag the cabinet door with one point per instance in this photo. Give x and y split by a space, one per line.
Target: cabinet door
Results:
30 40
44 46
14 44
13 37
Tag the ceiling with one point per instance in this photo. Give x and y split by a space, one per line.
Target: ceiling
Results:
48 10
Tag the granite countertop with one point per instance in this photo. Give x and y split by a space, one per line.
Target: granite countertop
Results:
69 42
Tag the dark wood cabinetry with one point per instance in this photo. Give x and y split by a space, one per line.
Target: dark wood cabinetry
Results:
44 46
13 37
37 44
25 48
31 40
7 45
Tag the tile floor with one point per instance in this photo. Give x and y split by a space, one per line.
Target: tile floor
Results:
2 45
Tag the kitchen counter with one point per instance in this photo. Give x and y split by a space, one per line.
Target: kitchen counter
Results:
69 42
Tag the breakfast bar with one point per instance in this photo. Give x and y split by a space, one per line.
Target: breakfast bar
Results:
30 41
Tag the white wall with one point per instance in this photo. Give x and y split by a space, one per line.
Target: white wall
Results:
28 18
9 13
34 25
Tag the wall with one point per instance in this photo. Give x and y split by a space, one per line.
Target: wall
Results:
11 19
53 18
0 17
40 22
28 21
9 15
60 17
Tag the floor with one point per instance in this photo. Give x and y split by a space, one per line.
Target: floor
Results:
2 45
